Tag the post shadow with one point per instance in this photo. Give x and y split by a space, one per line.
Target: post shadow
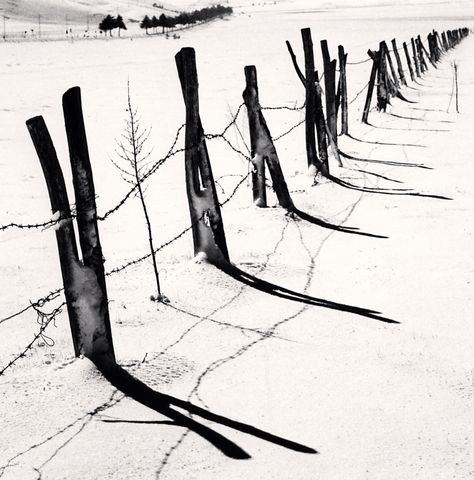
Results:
164 404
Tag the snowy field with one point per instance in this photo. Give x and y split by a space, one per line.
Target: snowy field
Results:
378 401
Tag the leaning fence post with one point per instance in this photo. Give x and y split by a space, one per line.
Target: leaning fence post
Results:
421 60
370 88
310 86
261 139
83 182
415 57
401 73
320 120
330 90
207 225
407 55
382 93
250 95
396 83
65 237
343 89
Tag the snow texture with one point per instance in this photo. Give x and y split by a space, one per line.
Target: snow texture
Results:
378 401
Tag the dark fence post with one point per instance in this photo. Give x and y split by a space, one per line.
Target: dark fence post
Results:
262 140
370 88
445 41
89 239
421 60
343 90
382 93
410 67
423 49
330 90
310 87
396 83
321 128
415 58
320 120
65 238
250 95
207 225
401 73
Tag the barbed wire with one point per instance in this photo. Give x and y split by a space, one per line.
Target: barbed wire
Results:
284 107
287 132
359 62
359 93
44 320
36 304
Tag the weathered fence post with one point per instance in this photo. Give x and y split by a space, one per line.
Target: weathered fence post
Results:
343 90
84 191
84 282
320 119
396 84
330 90
415 57
421 60
321 128
250 95
207 225
445 41
370 88
261 139
428 56
65 237
310 86
410 67
382 93
401 73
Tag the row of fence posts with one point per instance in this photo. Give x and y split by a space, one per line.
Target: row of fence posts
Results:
387 80
84 281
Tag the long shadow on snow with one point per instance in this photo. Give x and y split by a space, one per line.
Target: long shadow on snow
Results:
384 143
288 294
420 119
317 221
383 191
383 162
163 404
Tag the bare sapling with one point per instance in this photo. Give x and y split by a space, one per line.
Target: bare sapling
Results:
133 153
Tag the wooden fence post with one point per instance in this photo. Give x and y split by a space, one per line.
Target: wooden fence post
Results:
445 41
207 225
261 139
330 90
410 67
415 57
382 93
310 87
343 90
396 83
250 95
320 120
426 53
421 60
370 88
401 73
321 127
84 191
84 285
65 237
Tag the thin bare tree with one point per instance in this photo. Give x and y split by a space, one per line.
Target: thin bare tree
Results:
133 152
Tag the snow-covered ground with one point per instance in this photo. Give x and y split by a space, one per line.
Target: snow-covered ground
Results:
376 400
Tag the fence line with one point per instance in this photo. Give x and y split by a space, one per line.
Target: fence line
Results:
45 319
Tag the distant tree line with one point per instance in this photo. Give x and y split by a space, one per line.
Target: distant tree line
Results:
109 23
184 18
